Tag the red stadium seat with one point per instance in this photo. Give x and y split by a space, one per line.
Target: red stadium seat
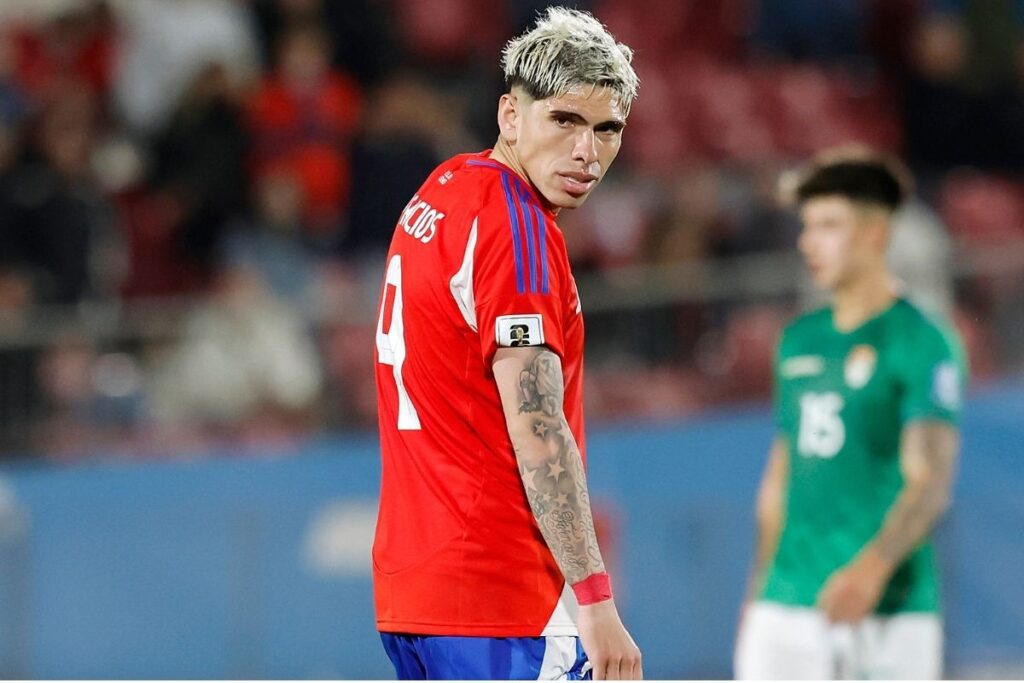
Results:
983 209
748 350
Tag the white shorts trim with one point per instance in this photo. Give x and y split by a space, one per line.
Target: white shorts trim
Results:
559 658
783 642
562 621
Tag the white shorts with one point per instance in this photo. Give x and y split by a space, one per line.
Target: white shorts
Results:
778 641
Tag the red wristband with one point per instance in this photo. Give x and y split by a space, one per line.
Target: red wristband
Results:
594 588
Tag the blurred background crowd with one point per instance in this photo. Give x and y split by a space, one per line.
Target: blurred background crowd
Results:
196 196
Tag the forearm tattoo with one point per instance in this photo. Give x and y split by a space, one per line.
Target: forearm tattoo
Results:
919 506
555 484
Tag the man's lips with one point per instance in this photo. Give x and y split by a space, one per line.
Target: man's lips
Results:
577 183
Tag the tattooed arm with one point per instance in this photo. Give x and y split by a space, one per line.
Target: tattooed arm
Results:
927 458
530 383
549 460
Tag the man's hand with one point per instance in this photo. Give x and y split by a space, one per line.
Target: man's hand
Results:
927 454
610 649
853 591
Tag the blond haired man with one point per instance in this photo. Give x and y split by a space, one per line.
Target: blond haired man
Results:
486 564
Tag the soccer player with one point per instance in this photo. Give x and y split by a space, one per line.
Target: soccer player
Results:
868 392
485 560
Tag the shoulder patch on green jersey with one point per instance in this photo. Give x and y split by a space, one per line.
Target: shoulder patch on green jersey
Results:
947 385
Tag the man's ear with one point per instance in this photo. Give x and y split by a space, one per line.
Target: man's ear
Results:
877 221
509 118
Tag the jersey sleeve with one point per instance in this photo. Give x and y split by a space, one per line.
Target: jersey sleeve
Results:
933 374
519 278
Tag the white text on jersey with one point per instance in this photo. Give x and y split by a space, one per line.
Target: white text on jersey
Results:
420 219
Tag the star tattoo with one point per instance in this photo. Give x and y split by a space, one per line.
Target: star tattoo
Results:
555 469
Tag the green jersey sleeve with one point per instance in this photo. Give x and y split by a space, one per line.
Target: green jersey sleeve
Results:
933 374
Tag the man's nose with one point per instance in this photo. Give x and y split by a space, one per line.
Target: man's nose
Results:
586 147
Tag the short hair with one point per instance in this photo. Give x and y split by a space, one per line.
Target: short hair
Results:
568 47
857 173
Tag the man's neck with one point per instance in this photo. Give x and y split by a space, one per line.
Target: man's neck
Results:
857 302
503 153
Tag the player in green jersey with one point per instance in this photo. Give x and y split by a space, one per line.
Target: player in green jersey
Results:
868 393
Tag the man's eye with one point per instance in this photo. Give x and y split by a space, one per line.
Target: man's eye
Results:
563 121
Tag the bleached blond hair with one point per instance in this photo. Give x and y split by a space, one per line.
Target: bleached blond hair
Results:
567 48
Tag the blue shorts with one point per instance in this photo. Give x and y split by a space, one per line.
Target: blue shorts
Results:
465 658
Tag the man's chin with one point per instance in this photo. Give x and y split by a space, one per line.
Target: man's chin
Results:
564 200
826 284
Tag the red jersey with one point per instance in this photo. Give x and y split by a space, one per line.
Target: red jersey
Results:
476 262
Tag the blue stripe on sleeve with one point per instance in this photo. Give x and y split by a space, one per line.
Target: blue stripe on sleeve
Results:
513 216
542 226
488 164
525 205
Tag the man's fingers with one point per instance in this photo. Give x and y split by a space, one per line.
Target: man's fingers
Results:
612 672
630 669
600 669
638 669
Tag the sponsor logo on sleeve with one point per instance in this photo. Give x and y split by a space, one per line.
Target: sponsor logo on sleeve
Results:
520 330
946 385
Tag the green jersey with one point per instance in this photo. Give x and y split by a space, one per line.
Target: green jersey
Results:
842 400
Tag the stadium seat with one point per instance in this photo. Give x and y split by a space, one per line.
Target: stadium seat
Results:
750 337
983 209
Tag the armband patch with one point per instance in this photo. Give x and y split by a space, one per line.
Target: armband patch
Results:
519 330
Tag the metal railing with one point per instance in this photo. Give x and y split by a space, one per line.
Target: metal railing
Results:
609 296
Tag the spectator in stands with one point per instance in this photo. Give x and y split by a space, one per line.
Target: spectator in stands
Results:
361 33
245 357
761 223
199 158
56 221
964 94
691 224
303 118
19 391
409 127
73 41
271 242
164 45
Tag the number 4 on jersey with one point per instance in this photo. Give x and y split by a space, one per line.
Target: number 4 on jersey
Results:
391 348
